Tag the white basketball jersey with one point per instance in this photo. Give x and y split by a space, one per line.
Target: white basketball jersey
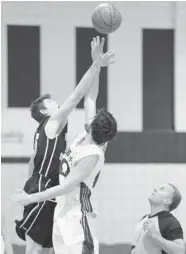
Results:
80 197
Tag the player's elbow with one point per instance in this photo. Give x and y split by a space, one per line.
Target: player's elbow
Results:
178 249
181 250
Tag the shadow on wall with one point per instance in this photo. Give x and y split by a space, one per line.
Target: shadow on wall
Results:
104 249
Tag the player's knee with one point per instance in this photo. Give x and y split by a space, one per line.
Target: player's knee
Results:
48 251
37 250
32 247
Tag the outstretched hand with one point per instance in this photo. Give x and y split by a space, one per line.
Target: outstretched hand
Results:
105 59
149 228
97 52
21 198
97 47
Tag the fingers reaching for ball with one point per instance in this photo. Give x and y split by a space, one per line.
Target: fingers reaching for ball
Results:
106 59
97 47
97 52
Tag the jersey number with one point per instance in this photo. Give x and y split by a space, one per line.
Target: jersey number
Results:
64 168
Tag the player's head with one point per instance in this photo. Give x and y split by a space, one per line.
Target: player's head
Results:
42 107
167 196
103 127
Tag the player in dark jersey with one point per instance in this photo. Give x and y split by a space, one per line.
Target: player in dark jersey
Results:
49 144
160 232
79 173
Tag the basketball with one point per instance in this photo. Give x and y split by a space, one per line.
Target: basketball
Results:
106 18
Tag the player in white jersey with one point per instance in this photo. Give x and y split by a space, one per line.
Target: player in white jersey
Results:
79 172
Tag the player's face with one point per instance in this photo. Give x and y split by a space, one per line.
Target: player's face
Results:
51 106
162 195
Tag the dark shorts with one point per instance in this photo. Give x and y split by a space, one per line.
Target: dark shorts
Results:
37 219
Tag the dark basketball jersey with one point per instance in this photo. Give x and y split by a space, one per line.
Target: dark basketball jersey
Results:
166 225
48 152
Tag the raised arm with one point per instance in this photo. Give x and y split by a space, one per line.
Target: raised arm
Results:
91 95
59 119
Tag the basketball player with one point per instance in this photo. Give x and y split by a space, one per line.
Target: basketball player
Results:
37 222
160 232
79 172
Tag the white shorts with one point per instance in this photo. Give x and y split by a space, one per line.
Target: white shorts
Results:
73 233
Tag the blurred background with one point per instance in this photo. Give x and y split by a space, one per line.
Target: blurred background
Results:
45 48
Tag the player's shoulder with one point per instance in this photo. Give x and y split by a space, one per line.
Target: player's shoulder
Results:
43 123
41 128
97 149
91 149
168 219
144 217
166 215
52 128
170 227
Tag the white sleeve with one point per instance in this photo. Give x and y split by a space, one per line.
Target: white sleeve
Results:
88 150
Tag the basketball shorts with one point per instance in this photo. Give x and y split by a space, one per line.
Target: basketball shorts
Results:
74 233
37 221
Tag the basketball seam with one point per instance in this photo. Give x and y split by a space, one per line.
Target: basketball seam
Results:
116 15
110 18
102 19
99 26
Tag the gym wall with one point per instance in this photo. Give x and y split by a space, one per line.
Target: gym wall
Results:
148 150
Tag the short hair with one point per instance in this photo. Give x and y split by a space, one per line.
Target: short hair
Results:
103 127
176 199
37 105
